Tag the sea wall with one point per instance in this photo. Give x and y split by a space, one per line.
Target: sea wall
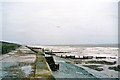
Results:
6 47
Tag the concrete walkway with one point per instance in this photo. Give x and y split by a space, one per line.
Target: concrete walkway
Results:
24 63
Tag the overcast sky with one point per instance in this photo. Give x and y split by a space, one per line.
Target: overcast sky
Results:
57 22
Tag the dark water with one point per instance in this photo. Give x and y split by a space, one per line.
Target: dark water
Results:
69 70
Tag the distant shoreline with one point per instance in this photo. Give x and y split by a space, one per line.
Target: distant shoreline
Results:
89 45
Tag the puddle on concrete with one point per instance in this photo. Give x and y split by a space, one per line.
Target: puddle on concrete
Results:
16 70
26 69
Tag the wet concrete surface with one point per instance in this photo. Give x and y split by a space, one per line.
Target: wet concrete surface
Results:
69 70
14 65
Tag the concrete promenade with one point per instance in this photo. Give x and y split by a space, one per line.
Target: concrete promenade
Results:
25 63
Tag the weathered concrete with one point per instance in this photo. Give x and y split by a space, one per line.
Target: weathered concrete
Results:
42 68
25 63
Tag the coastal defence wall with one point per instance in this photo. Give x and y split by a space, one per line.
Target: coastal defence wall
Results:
42 67
6 47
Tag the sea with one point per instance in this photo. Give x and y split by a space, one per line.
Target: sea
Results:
108 51
86 50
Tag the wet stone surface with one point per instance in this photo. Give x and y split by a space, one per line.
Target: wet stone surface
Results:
69 70
16 70
14 65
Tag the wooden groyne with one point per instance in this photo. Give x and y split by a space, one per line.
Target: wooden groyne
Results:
85 57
